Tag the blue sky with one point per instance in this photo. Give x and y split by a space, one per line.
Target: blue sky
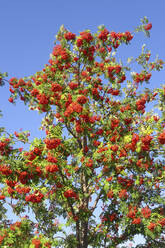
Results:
28 30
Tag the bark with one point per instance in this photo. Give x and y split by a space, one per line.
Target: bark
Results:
78 234
85 234
82 234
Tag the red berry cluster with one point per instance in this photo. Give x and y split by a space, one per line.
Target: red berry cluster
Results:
36 197
52 143
5 170
52 168
140 104
69 36
148 26
161 138
85 36
73 107
70 194
146 140
5 148
60 53
140 77
146 212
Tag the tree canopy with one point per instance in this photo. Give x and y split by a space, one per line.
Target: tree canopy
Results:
97 177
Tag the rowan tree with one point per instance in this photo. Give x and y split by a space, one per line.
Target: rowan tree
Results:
96 179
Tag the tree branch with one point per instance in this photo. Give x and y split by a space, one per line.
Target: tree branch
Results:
96 201
77 138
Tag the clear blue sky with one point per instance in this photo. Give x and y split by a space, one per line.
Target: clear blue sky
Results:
27 30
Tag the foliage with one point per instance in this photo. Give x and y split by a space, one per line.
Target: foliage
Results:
99 171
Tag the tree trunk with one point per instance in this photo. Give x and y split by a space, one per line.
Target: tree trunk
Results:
82 235
85 234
